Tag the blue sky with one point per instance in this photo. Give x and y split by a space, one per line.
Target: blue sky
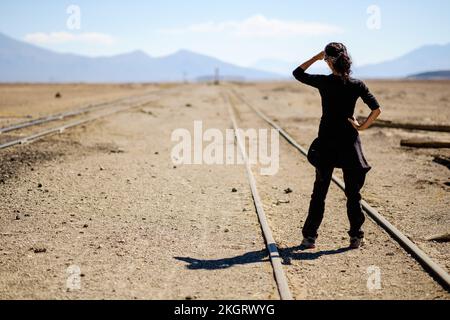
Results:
238 31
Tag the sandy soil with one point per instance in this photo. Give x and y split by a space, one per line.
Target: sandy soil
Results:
112 203
107 199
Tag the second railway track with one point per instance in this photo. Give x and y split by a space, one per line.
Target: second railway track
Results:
100 110
67 114
274 255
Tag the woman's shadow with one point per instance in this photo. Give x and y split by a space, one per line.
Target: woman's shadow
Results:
286 254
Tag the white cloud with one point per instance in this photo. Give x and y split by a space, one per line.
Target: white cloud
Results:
259 26
67 37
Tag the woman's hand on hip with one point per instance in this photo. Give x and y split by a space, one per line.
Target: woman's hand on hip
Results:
366 125
356 124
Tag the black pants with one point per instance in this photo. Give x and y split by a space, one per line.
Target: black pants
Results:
354 181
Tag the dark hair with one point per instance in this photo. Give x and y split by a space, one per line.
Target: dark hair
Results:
342 63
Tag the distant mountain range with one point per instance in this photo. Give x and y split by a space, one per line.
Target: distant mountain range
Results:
422 60
23 62
436 75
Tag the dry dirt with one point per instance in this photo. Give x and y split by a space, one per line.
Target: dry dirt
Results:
107 199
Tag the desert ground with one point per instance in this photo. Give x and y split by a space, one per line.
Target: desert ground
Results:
105 203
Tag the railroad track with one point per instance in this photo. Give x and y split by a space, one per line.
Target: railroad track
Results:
431 267
274 255
64 115
114 106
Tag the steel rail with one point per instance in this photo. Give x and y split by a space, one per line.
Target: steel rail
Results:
427 263
275 258
62 128
63 115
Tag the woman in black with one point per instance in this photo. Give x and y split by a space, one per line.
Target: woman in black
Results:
338 144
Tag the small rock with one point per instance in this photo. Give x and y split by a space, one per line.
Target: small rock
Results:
117 151
188 105
58 95
288 190
18 216
390 254
189 298
39 250
234 190
282 202
147 112
85 226
39 185
226 230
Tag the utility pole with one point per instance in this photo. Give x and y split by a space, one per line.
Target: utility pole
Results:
217 77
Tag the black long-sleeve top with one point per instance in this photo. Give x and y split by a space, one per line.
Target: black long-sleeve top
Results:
338 103
340 141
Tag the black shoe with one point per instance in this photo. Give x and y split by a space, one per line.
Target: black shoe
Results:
308 243
356 242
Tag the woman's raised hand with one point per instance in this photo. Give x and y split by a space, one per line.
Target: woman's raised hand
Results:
320 56
317 57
